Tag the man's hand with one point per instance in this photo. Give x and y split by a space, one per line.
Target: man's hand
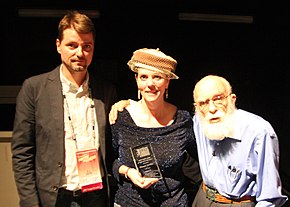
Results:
119 106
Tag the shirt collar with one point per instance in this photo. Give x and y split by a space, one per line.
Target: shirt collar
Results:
69 87
236 132
234 137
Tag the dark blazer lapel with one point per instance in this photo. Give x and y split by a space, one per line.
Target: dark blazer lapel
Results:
54 89
98 96
100 114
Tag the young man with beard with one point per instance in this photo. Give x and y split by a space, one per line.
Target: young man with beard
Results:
238 151
61 126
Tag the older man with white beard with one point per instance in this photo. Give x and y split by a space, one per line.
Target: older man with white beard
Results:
238 151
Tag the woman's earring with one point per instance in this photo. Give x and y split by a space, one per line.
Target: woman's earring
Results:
166 93
139 94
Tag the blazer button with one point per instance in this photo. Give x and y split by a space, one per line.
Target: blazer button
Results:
54 188
59 164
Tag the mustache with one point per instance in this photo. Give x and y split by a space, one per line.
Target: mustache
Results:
218 114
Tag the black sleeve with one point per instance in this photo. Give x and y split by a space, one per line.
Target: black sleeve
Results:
191 169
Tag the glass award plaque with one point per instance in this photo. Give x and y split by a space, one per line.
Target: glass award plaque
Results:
145 161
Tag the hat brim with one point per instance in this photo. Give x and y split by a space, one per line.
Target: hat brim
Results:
135 66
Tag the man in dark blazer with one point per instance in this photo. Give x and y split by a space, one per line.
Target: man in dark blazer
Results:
51 110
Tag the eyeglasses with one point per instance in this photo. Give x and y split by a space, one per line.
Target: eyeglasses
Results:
218 101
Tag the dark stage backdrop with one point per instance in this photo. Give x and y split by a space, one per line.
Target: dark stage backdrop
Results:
253 56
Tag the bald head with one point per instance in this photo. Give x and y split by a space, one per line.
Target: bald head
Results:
211 85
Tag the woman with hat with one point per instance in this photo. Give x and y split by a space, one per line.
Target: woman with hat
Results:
151 138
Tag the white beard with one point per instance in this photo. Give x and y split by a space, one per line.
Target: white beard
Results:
219 130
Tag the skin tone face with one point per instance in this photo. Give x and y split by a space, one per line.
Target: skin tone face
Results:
76 51
215 106
151 84
209 90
